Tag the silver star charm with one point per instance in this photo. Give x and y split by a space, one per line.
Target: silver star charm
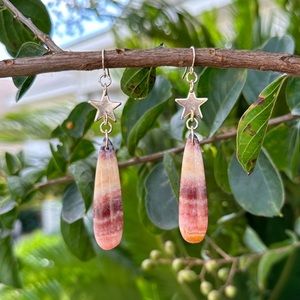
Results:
105 107
191 104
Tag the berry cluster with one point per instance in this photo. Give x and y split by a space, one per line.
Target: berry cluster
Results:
190 269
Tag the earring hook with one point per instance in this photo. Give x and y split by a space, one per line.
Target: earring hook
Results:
105 79
194 58
102 58
191 68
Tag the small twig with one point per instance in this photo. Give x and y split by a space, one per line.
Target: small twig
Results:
202 274
61 180
194 261
232 271
217 248
37 32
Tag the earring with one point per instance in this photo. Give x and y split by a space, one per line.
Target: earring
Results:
107 204
193 211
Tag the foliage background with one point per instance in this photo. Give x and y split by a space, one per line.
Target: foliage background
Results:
252 217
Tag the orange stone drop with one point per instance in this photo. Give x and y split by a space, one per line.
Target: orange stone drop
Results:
107 205
193 212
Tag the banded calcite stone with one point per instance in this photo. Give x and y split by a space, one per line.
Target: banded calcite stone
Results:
107 204
193 212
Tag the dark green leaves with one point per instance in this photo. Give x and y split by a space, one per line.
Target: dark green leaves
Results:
73 207
73 147
253 125
267 262
14 34
220 170
161 202
18 187
138 82
258 80
77 123
222 88
170 168
292 95
283 145
73 228
139 116
8 264
13 163
253 241
260 193
84 178
23 83
77 239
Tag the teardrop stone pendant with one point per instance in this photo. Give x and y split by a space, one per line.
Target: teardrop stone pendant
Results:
193 212
107 205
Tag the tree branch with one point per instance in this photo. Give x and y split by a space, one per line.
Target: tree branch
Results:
178 57
27 22
158 155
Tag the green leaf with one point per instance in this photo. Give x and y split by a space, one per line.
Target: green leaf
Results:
292 95
59 157
297 226
13 163
53 171
253 125
73 208
253 241
283 145
220 170
260 193
18 187
77 123
222 88
82 150
7 206
161 203
23 83
9 273
8 214
138 82
267 262
177 126
170 168
77 239
138 117
14 34
258 80
246 24
84 178
276 142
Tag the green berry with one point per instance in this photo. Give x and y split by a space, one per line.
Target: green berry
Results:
211 266
155 254
147 264
205 287
177 264
223 273
186 276
214 295
230 291
169 248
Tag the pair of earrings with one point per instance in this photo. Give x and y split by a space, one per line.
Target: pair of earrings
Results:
107 204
